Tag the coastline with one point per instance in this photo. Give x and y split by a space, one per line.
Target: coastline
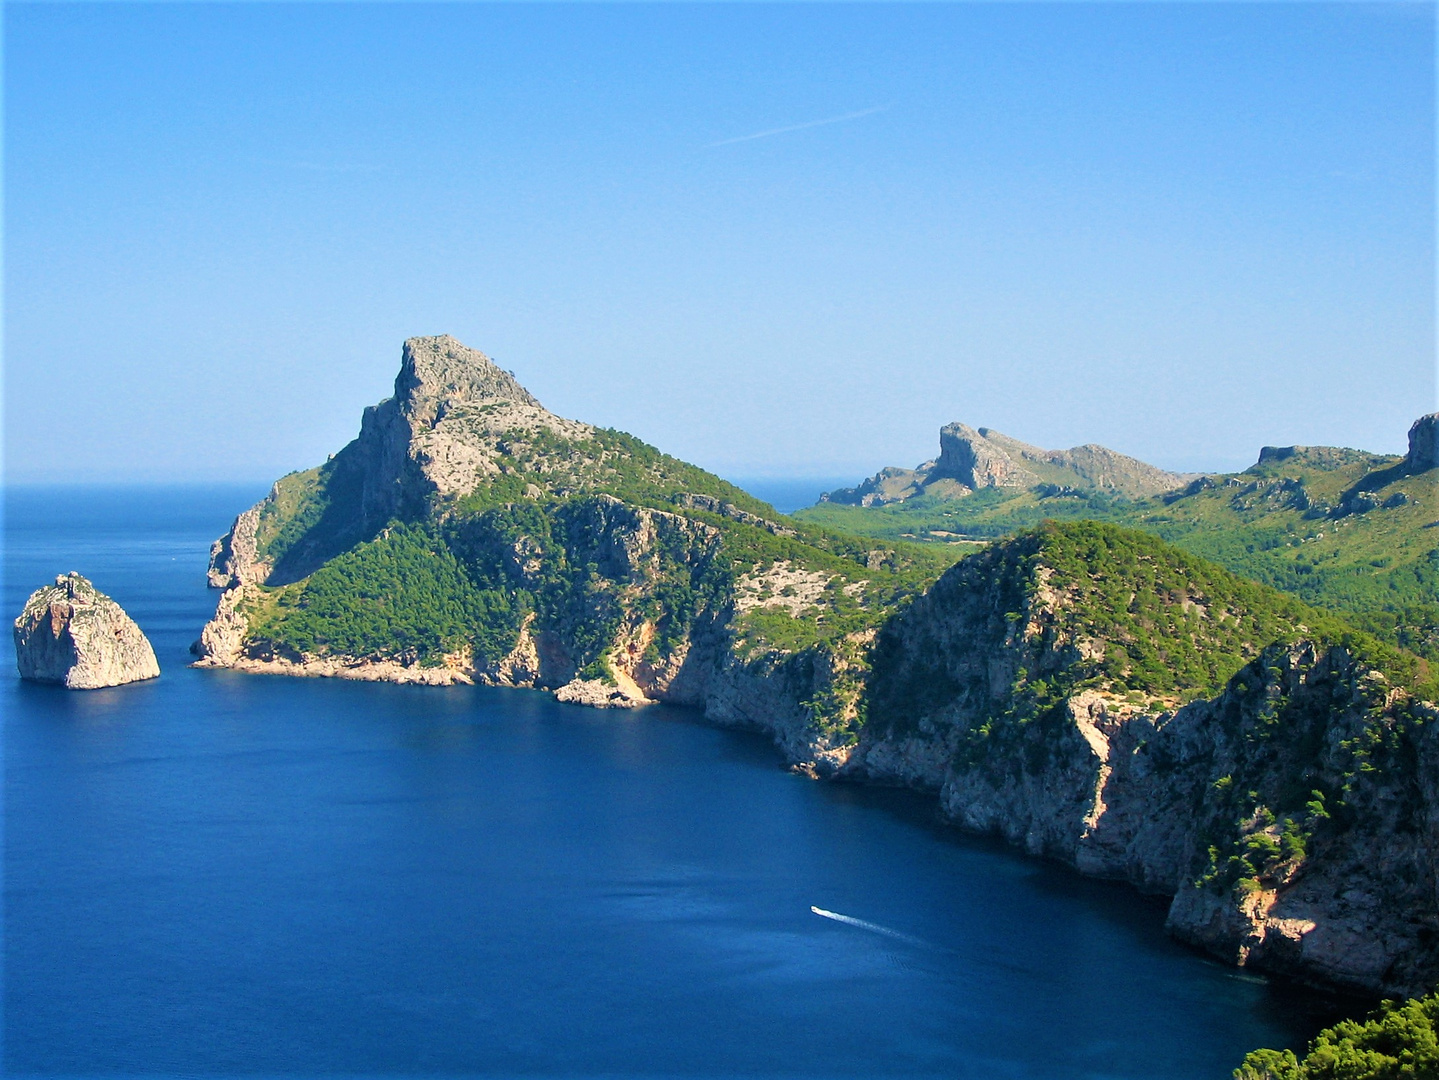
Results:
1335 947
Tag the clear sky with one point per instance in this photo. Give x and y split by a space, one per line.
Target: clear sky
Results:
772 240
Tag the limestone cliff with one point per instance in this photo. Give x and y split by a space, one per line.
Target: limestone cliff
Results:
444 432
972 460
73 634
1423 444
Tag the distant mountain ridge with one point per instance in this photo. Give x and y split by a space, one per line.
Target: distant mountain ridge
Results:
973 459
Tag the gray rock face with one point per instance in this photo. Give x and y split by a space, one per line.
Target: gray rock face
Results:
73 634
1423 444
442 434
976 462
233 558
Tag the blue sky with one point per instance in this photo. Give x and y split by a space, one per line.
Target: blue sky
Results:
1181 231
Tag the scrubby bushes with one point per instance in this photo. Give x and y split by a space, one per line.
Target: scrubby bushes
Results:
1397 1042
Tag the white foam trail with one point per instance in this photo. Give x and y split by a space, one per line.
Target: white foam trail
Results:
873 928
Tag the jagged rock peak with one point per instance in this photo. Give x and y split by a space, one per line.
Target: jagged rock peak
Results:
1423 443
972 459
450 426
72 633
977 461
437 370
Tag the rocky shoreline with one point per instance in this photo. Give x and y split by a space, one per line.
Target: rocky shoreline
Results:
1125 795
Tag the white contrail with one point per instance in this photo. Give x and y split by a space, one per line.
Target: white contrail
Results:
873 928
801 127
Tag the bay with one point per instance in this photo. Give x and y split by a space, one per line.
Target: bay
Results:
223 874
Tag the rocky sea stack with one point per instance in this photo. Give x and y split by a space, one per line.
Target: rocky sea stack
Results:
72 633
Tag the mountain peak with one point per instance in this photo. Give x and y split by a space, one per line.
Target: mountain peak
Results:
439 370
971 459
1423 444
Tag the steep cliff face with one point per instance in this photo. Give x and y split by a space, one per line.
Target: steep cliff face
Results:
444 433
976 462
235 557
1291 811
73 634
1316 786
1423 444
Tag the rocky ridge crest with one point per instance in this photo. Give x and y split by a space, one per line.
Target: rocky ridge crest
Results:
972 460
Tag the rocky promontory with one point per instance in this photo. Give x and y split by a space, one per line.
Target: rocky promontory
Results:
73 634
1100 698
972 460
1423 444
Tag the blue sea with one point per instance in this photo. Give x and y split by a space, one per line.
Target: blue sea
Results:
219 874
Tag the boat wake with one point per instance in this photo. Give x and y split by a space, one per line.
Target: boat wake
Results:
873 928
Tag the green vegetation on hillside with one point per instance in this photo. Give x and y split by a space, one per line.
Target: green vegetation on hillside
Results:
427 588
542 485
609 463
983 515
1342 530
404 594
1396 1042
1129 614
1172 622
424 590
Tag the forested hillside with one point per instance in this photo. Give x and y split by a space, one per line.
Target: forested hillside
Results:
1350 531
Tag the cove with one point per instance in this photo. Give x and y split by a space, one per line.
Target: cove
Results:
229 874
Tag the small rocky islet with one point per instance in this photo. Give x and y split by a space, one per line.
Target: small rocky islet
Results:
73 634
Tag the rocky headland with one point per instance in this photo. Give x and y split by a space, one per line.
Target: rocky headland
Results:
1087 691
73 634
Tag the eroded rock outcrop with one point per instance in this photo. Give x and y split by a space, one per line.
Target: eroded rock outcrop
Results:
1423 444
234 559
447 430
73 634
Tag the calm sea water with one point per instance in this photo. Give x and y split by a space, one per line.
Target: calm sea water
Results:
221 874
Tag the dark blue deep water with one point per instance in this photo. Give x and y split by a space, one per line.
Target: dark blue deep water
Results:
223 874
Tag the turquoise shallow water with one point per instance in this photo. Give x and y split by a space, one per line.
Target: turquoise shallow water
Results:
225 874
